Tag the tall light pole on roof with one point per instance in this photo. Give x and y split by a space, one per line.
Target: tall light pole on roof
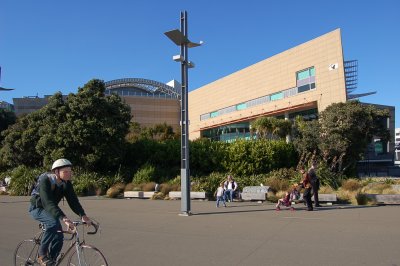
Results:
180 38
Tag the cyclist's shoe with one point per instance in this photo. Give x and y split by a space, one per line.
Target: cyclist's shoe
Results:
45 261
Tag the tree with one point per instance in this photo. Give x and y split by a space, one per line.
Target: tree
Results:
341 134
271 127
7 118
88 128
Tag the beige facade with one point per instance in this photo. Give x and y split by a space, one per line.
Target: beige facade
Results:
271 87
151 111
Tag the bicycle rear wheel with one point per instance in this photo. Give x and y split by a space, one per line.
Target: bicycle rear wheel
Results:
87 256
26 253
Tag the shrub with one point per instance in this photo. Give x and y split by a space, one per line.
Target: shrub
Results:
272 197
375 188
175 181
390 191
277 184
252 180
351 184
344 196
86 183
209 183
158 196
166 188
326 190
22 179
130 187
115 190
144 175
329 178
149 186
361 198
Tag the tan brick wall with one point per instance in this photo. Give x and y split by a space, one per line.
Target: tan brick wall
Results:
271 75
150 111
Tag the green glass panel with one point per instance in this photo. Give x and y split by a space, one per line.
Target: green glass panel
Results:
241 106
214 114
277 96
312 72
303 74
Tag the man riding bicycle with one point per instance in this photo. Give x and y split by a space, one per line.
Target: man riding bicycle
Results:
50 189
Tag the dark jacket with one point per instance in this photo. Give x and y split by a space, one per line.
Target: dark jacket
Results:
49 197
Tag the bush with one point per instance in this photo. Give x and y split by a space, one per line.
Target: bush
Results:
375 188
22 179
166 188
272 197
351 184
132 187
149 186
329 178
115 190
326 190
361 198
145 174
209 183
276 184
253 180
345 196
158 196
86 183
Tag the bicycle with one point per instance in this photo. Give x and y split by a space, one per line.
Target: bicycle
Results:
80 254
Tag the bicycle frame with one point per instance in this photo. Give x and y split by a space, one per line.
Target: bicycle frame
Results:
77 243
78 246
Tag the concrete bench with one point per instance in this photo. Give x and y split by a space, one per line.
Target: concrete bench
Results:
385 198
255 193
193 194
139 194
327 198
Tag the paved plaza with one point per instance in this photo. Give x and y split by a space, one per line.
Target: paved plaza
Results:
150 232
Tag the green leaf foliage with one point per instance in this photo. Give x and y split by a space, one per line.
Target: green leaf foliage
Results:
341 134
246 158
22 179
88 128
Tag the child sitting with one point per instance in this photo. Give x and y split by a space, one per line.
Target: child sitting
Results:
290 195
284 201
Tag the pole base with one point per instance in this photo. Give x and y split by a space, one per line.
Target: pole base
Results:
185 214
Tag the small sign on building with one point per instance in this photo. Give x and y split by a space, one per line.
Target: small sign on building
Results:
333 66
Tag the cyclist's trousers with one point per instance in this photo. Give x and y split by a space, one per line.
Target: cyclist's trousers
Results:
52 239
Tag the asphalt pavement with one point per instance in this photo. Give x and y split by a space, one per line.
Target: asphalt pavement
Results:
151 232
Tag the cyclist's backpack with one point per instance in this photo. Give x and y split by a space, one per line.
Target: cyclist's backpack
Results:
35 188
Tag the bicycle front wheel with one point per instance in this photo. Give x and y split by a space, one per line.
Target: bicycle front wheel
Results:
26 253
87 256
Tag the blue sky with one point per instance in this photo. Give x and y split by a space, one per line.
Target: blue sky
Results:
48 46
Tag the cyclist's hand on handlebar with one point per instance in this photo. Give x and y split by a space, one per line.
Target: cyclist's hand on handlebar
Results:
86 220
68 223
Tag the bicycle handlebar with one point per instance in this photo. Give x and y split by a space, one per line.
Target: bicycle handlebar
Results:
76 223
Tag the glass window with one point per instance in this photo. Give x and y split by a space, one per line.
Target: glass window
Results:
304 88
309 72
241 106
214 114
312 72
303 74
277 96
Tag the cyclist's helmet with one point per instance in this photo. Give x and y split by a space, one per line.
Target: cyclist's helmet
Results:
60 163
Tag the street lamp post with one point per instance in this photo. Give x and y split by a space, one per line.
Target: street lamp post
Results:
1 88
180 38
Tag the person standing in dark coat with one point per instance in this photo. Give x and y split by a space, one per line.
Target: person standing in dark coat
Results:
314 183
306 184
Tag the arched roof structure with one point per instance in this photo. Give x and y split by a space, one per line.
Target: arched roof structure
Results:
140 87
